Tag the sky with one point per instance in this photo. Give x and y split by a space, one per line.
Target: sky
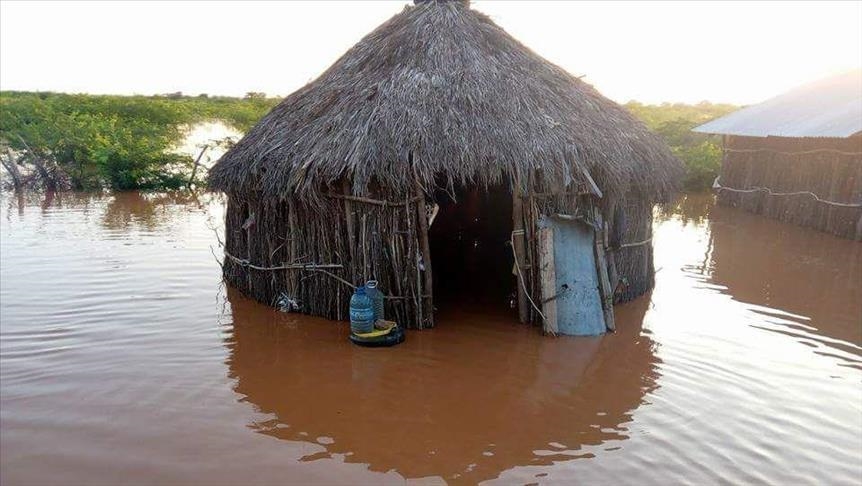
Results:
652 52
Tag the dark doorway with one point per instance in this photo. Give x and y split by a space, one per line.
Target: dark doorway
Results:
470 251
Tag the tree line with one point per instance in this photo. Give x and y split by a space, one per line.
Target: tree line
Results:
88 142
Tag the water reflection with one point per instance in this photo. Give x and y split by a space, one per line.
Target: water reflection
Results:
464 402
17 201
689 208
122 210
806 283
148 211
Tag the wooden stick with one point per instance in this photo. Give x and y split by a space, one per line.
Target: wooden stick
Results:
593 186
529 253
422 216
605 290
364 238
548 278
413 253
348 213
367 200
292 278
518 242
197 164
330 274
557 194
613 273
247 230
531 221
285 266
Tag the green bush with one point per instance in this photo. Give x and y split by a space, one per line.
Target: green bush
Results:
119 142
700 152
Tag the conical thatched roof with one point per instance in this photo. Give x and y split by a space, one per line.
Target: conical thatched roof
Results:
439 89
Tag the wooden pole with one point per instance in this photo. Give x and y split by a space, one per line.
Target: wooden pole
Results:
348 214
247 227
419 320
426 254
613 273
518 243
363 237
413 257
292 245
530 254
548 278
605 290
366 200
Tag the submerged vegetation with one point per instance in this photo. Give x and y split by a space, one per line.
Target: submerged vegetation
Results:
120 142
127 142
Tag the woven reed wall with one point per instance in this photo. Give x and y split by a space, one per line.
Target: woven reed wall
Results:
828 167
272 233
383 237
635 263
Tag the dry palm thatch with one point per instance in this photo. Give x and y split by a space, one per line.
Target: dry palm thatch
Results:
439 89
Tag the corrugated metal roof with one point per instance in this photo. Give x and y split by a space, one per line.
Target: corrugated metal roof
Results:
831 107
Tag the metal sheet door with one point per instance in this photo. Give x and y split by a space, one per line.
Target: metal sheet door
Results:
575 298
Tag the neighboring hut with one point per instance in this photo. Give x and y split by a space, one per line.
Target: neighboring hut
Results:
797 157
440 109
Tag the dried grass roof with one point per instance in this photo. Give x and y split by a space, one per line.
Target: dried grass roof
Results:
439 89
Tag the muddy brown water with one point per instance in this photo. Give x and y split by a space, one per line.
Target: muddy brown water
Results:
124 361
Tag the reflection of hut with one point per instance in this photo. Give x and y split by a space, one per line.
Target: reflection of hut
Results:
511 398
439 106
798 157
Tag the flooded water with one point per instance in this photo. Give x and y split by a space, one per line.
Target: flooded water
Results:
123 360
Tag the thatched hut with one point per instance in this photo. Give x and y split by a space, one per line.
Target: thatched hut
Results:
797 157
440 119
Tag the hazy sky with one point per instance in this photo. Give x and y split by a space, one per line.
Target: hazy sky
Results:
653 52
